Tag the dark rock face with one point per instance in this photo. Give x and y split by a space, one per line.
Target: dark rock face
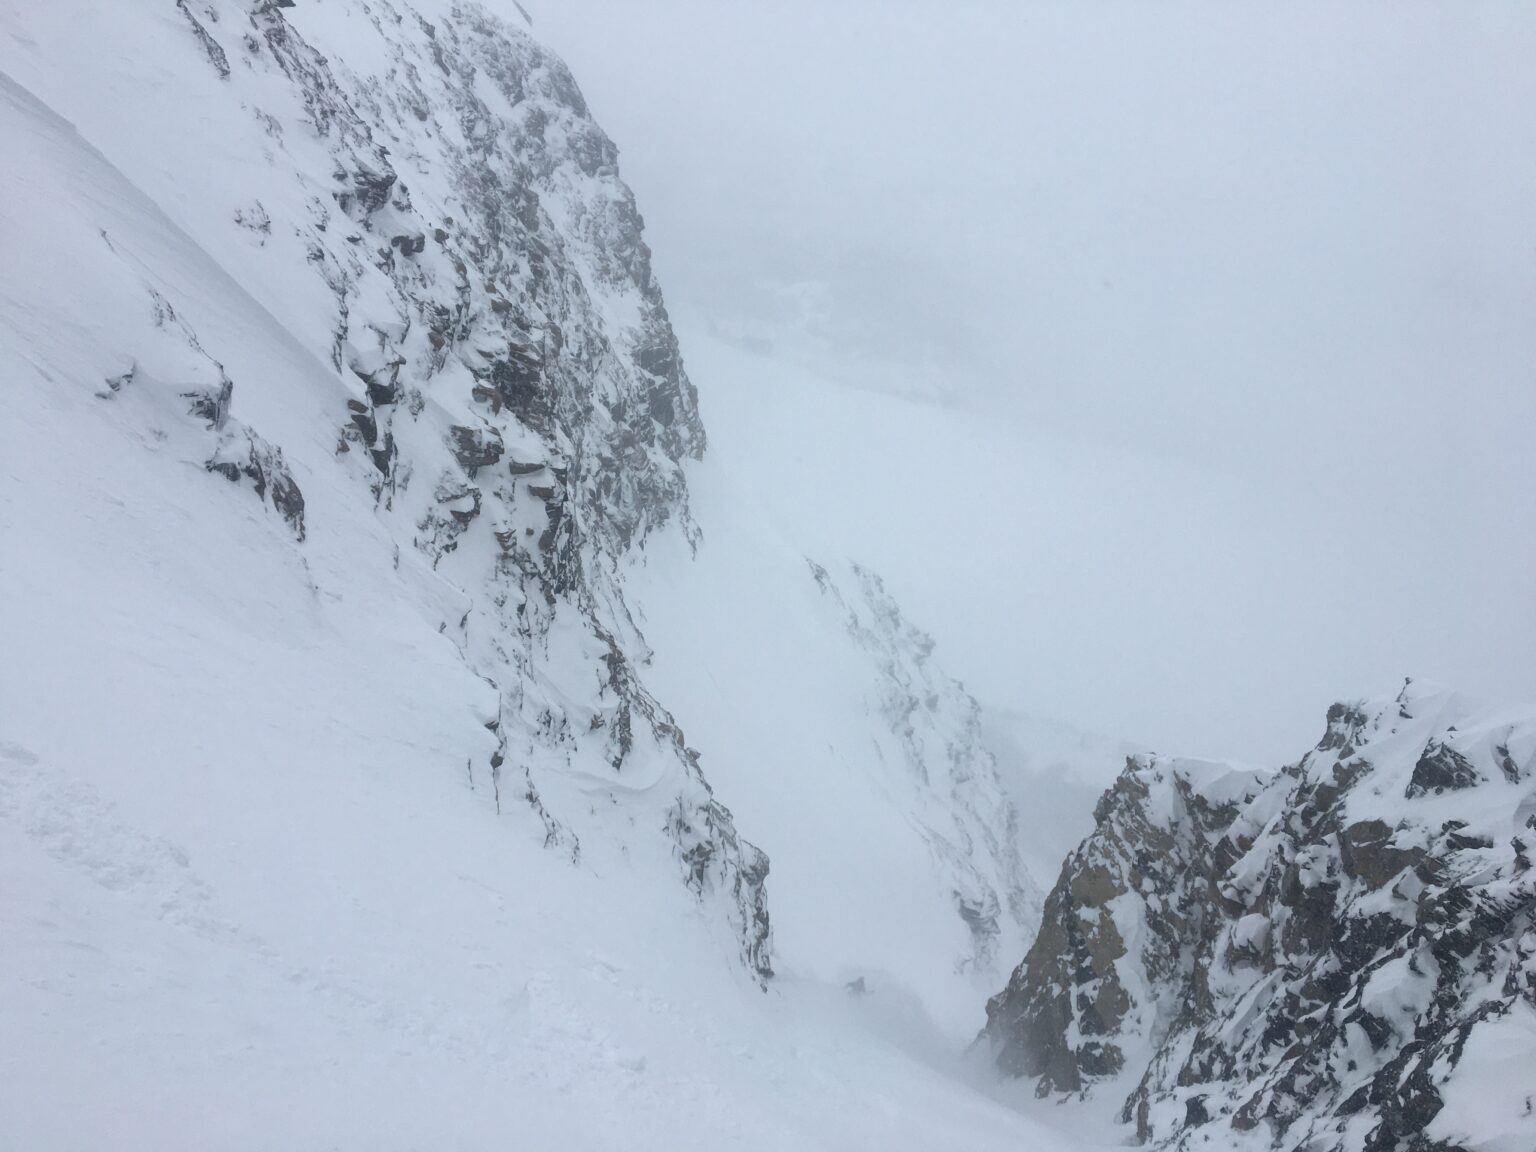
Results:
1067 1008
210 46
212 404
243 455
240 454
1316 959
1367 852
233 450
1440 769
475 448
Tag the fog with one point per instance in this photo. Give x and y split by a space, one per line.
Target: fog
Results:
1236 301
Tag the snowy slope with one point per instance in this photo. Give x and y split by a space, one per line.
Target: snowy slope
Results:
266 649
853 759
790 702
438 228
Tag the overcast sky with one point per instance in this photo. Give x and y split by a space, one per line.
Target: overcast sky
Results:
1261 278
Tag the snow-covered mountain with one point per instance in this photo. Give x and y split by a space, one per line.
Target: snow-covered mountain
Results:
1340 955
437 228
399 706
361 582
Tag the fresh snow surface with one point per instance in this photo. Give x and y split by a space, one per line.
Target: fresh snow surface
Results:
249 896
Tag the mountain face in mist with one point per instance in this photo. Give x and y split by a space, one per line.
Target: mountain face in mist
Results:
371 267
1340 955
933 758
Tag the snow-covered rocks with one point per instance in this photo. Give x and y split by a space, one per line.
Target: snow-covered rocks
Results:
432 287
1106 970
1303 959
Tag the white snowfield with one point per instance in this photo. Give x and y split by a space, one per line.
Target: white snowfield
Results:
254 890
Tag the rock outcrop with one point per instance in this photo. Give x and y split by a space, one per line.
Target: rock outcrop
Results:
1331 957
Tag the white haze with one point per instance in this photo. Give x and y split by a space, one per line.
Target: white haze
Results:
1175 362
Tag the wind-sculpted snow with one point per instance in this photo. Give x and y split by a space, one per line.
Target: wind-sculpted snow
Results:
419 200
1338 957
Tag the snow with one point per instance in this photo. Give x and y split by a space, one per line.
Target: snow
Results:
784 704
253 892
779 702
257 885
1491 1104
435 1001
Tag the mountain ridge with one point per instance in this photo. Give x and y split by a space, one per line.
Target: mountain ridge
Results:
1305 957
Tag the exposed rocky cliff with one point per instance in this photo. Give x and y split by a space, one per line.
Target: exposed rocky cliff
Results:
1340 955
